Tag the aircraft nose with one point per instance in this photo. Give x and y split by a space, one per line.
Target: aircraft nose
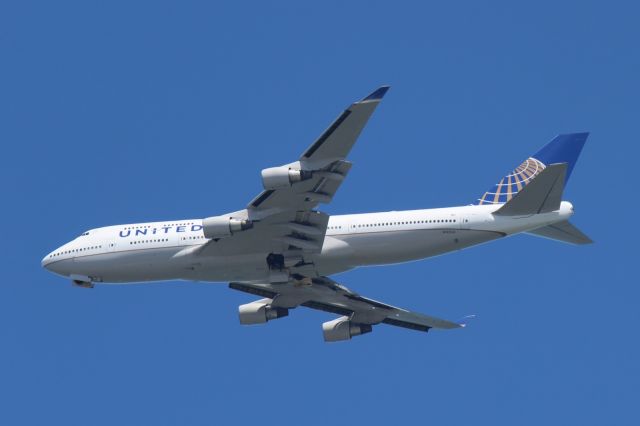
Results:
57 266
45 261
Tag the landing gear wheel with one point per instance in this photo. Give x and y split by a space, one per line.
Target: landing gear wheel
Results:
275 261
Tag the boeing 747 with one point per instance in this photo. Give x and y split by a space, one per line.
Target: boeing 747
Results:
281 248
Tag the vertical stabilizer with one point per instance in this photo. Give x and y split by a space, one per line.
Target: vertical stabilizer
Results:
562 149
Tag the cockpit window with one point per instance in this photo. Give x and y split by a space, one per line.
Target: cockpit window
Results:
83 234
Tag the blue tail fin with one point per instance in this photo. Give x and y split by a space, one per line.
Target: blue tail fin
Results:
562 149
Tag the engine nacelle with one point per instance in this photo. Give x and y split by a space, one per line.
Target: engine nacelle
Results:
224 226
343 329
283 176
259 312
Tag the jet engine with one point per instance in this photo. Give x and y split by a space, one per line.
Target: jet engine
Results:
259 312
343 329
224 226
283 176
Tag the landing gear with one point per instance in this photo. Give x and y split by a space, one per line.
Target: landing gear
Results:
275 262
83 284
82 280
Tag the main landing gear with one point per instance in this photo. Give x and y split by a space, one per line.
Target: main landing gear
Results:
275 262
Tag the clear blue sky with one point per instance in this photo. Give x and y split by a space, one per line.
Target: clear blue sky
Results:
115 112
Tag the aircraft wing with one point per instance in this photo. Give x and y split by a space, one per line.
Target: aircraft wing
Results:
282 217
325 162
324 294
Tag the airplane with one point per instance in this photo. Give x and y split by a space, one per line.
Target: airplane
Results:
281 248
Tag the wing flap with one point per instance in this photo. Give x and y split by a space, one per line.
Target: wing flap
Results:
274 233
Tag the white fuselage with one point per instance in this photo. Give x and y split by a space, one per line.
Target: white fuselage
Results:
160 251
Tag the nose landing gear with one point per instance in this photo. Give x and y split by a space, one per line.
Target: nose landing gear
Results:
83 284
82 281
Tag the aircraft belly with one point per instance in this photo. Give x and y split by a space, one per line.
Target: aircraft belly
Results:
227 268
378 248
162 265
129 266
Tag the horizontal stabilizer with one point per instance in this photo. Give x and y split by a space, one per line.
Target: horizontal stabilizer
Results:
542 195
562 231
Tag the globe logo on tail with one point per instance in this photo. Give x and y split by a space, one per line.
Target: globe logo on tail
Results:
512 183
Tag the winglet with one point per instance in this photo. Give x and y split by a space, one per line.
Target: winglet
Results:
377 94
465 320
